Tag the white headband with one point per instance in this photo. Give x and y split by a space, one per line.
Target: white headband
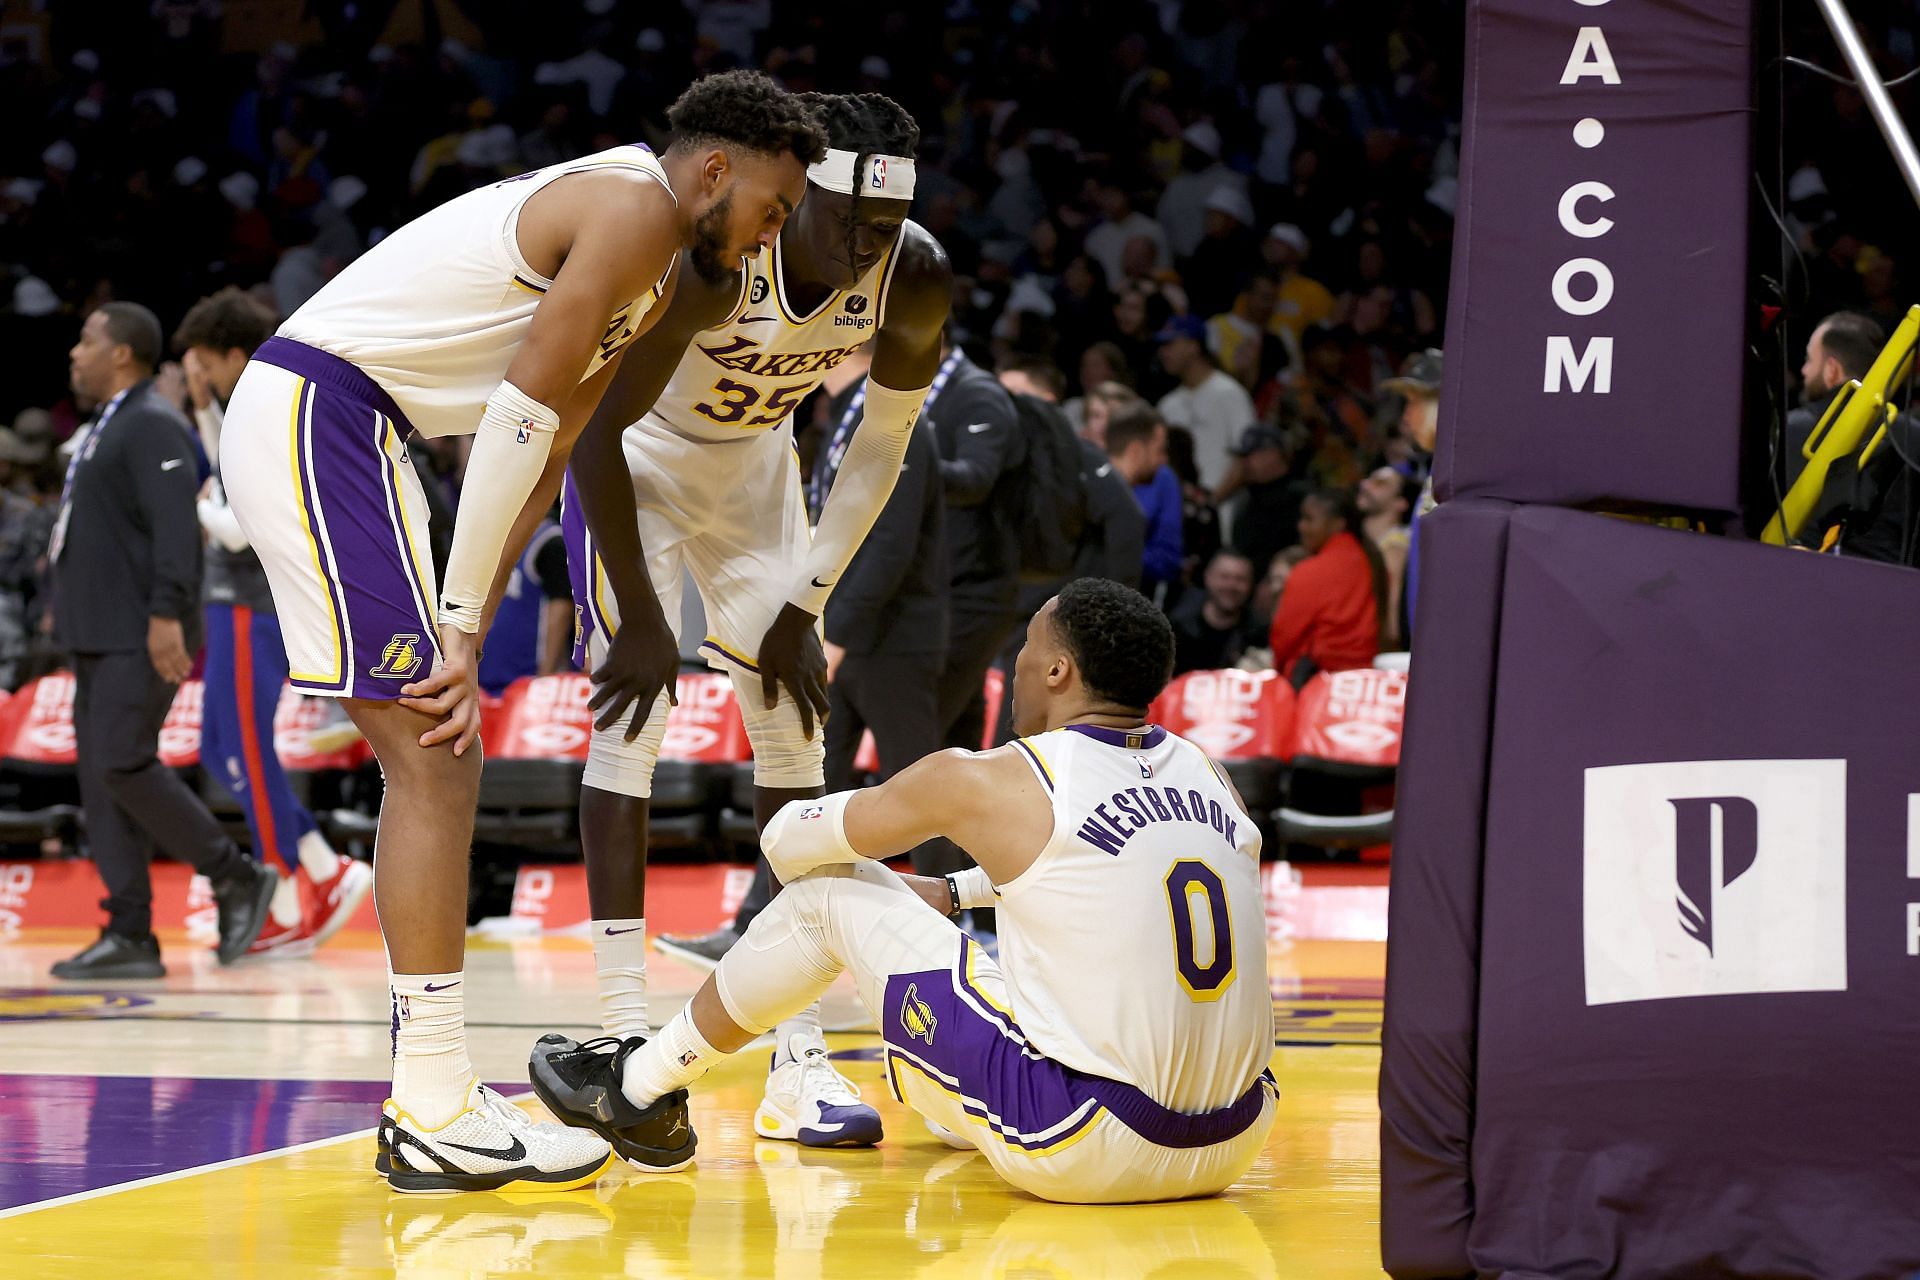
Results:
890 176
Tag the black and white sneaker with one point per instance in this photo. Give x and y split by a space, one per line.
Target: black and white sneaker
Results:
580 1083
491 1146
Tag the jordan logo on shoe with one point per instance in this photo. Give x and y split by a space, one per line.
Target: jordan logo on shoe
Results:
518 1151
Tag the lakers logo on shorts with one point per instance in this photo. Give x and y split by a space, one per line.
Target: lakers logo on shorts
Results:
400 659
916 1017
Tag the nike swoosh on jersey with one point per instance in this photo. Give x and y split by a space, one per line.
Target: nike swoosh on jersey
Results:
975 428
818 583
171 463
518 1151
756 319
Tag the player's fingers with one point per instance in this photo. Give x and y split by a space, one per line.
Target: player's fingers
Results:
614 707
469 735
804 702
445 731
769 687
439 705
437 680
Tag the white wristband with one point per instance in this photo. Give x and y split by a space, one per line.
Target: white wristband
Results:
973 887
807 835
510 450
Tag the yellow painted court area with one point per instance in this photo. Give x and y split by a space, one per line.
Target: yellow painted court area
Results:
912 1207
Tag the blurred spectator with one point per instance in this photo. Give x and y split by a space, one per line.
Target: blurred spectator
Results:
1183 208
1119 223
1207 402
1212 627
1317 395
1332 613
1843 347
1263 516
1266 595
1386 500
1112 541
1217 268
1419 384
1102 404
1137 447
1199 516
1300 302
1243 340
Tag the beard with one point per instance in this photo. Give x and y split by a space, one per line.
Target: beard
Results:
712 261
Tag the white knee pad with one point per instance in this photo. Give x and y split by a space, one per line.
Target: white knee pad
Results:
783 756
782 963
622 767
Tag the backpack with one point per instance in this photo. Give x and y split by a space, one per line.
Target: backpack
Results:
1052 496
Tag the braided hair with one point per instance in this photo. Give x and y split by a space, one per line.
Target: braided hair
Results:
867 124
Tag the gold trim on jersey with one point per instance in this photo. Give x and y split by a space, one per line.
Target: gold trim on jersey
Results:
1038 761
299 435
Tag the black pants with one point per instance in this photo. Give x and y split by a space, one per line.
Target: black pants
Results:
133 802
892 694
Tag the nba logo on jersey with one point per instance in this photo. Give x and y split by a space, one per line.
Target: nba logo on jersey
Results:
400 658
525 432
811 811
880 173
1146 766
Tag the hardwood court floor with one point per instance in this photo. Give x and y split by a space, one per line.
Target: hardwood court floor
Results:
218 1124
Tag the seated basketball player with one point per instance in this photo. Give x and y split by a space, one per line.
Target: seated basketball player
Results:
502 314
708 473
1118 1050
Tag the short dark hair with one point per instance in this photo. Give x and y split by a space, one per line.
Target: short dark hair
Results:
1854 340
1042 371
230 320
1136 423
1116 360
1121 642
1228 553
868 124
747 109
133 326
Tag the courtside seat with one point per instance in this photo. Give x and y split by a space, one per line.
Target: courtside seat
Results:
536 740
1240 718
1344 749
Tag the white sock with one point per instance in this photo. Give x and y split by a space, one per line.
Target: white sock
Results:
431 1071
673 1059
805 1024
317 857
620 964
285 907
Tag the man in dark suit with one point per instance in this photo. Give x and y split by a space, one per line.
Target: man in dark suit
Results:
126 571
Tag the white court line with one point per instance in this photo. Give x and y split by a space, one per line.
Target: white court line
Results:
95 1193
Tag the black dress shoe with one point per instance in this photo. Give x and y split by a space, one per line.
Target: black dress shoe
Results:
115 955
243 900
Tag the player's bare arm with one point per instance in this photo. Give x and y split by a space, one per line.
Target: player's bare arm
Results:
603 238
988 802
642 657
906 354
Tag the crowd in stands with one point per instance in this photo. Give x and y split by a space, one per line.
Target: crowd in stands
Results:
1206 233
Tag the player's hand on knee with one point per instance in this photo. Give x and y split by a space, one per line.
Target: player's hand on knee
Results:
643 658
451 694
791 655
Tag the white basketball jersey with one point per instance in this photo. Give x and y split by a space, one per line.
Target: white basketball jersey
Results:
1135 946
749 372
435 312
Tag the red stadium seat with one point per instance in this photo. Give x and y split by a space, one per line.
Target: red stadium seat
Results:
1346 736
180 731
38 724
295 718
1240 718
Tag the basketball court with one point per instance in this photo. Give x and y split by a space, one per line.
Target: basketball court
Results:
218 1123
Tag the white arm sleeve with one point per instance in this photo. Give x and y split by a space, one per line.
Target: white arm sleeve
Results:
807 835
209 421
509 452
218 520
862 487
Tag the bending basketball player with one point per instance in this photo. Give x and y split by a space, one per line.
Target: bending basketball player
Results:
709 464
1118 1050
502 314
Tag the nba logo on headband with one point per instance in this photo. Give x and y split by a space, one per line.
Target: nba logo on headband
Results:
879 173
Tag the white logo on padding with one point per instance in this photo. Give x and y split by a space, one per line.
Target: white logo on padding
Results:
1715 877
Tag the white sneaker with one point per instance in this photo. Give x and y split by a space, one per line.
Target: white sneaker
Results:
491 1146
811 1103
958 1141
